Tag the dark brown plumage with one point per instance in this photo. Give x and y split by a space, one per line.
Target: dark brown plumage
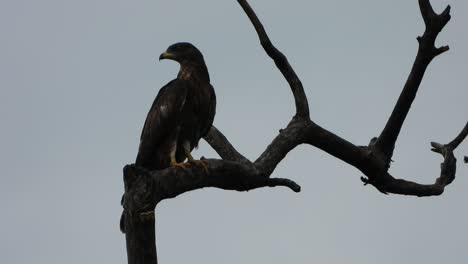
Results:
181 114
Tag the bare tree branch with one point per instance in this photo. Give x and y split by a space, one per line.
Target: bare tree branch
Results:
139 228
288 138
302 106
459 139
227 175
388 184
223 147
145 189
357 156
426 52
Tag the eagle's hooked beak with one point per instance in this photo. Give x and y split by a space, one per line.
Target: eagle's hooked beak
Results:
167 55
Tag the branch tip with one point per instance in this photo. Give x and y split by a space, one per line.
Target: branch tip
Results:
446 15
274 182
441 50
437 147
365 180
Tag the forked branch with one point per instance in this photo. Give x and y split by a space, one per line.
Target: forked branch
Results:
447 172
385 143
145 189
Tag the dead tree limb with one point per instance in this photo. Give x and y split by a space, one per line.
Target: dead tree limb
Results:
447 172
385 143
302 106
145 189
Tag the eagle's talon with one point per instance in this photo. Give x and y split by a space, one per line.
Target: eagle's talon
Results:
181 165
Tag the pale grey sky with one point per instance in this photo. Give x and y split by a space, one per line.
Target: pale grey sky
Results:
78 77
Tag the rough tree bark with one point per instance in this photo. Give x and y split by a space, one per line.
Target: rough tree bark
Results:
145 189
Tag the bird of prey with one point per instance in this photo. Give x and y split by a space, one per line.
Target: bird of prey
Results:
181 114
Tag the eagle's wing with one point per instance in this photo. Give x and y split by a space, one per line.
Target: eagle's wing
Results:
161 121
211 110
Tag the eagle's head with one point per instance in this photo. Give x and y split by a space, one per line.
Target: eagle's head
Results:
183 53
192 64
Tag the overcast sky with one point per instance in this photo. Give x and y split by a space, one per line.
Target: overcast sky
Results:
77 79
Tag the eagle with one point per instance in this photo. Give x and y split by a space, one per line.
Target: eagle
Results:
182 113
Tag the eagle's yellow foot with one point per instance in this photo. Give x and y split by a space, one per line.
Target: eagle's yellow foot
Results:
202 163
181 165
